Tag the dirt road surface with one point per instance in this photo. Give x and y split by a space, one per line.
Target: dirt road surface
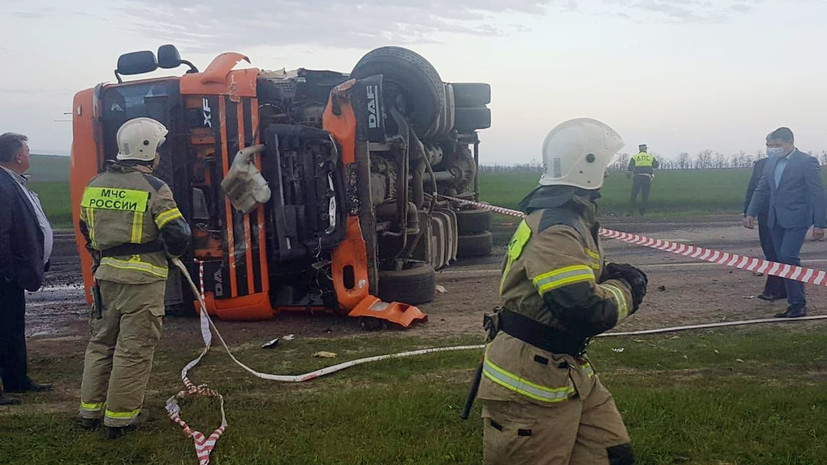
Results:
682 291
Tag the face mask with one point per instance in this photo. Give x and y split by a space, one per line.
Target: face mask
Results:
775 152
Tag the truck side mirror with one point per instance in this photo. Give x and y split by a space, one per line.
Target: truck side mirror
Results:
136 63
168 58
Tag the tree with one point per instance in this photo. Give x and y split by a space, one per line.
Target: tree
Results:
621 162
719 160
683 161
703 159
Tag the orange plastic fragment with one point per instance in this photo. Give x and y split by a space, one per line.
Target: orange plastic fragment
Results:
395 312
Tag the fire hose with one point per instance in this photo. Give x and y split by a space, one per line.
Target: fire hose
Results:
205 444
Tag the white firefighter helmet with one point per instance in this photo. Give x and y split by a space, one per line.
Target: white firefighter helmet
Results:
576 153
139 139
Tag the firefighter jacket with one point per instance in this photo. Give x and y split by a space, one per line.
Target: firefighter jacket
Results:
643 163
131 223
551 280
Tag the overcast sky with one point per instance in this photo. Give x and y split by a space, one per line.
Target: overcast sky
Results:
680 75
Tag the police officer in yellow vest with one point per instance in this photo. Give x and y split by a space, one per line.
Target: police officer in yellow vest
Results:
642 166
542 401
131 224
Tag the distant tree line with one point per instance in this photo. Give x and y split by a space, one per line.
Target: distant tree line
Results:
705 159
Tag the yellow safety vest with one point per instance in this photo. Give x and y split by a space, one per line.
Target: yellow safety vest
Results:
643 160
127 205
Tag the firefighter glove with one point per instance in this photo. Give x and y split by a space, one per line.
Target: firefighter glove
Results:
636 279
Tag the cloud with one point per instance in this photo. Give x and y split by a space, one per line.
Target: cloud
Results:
680 11
27 14
216 24
338 23
35 92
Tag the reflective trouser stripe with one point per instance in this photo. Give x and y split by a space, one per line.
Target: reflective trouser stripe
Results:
523 386
136 266
90 410
562 277
137 227
94 407
91 407
622 307
122 415
167 216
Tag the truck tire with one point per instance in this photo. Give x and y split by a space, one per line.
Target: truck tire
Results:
473 221
471 94
471 119
475 245
412 286
408 75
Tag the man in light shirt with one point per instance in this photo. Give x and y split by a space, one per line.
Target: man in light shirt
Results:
25 248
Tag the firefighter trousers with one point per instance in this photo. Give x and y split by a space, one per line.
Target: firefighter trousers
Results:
118 358
584 430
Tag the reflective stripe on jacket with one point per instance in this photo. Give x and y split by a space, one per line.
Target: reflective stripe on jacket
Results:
127 205
551 274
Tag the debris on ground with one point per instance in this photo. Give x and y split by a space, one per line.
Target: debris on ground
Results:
324 354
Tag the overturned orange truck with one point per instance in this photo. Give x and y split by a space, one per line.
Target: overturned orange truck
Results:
338 181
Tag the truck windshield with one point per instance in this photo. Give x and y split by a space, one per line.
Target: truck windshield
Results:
157 99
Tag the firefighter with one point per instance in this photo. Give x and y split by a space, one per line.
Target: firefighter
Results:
131 224
542 401
642 166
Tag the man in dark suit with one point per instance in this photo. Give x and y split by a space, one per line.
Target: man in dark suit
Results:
791 185
774 288
25 247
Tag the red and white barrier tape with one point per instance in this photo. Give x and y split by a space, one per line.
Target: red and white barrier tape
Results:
203 444
743 262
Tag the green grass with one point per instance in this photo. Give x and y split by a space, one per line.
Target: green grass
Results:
54 196
748 396
674 193
49 168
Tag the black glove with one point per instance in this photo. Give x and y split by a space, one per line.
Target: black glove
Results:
636 278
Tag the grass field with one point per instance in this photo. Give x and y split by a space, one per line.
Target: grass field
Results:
725 397
49 168
674 193
731 397
49 177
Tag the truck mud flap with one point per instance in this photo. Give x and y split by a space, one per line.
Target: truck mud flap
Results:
394 312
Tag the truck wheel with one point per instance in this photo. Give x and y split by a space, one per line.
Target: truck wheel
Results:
412 286
471 94
408 81
475 245
471 119
473 221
